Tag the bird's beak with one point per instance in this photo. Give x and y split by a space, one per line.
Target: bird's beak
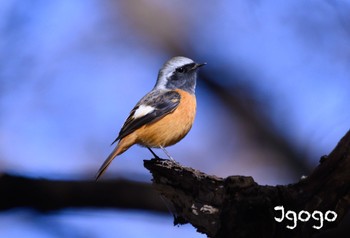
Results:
198 65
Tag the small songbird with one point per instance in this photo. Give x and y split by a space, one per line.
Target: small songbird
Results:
164 115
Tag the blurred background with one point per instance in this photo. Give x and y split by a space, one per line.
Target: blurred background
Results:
272 99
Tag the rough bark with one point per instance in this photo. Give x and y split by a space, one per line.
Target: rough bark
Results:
237 206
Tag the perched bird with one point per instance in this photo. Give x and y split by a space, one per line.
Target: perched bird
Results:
164 115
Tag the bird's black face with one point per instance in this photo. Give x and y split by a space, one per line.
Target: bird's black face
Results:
184 77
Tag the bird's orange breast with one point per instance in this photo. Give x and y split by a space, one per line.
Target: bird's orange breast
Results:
171 128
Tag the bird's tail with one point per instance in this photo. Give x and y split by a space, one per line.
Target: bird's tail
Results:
122 146
107 162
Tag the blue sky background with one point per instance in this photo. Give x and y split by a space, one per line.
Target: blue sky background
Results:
71 71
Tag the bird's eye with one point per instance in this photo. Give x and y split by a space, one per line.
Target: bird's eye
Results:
180 70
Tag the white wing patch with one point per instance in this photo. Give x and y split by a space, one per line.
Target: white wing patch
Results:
142 111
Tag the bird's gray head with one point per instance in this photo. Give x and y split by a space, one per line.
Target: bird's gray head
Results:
178 73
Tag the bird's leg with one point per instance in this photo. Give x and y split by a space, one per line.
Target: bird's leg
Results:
166 152
154 154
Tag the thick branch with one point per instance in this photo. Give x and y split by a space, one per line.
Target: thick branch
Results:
237 205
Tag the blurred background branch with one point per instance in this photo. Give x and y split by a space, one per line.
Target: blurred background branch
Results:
50 195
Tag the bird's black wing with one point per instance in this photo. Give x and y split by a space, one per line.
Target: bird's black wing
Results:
161 103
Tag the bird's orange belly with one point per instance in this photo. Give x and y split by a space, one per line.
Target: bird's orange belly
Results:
173 127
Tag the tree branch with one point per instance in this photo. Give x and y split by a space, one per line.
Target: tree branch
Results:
239 206
218 207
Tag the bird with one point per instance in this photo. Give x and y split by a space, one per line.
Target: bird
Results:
163 116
